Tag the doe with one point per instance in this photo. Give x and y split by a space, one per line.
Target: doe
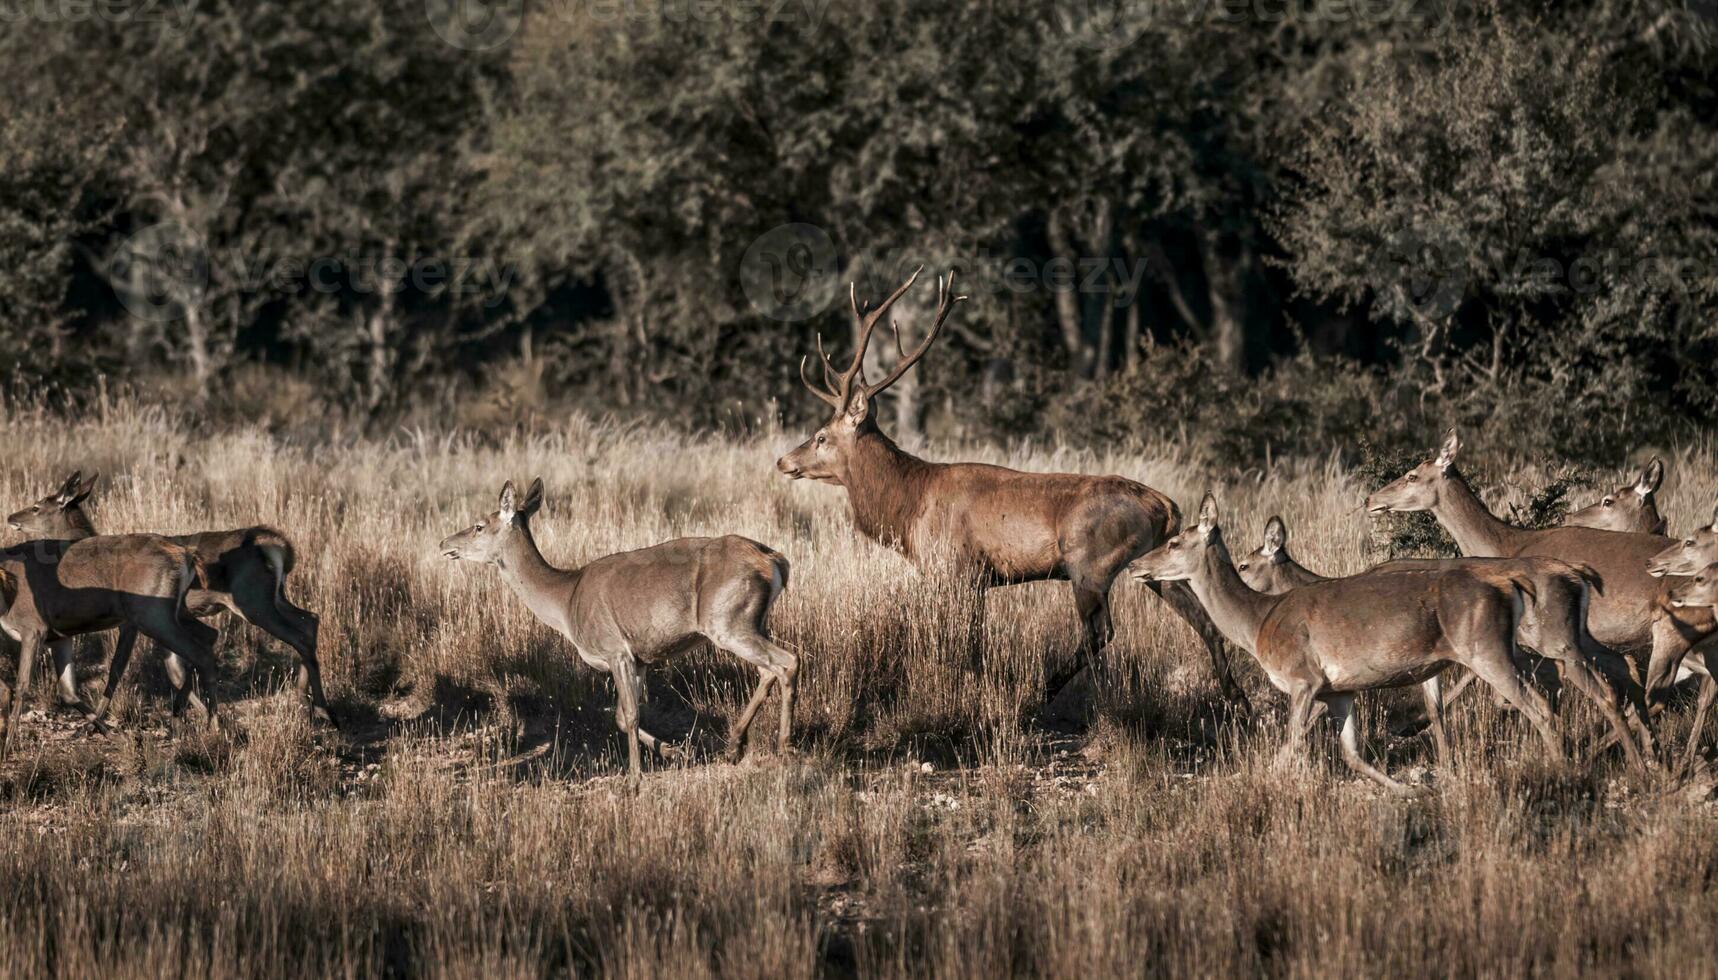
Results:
635 608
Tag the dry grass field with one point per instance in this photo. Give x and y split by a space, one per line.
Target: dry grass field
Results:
474 820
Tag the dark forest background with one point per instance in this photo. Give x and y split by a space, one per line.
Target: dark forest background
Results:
1269 227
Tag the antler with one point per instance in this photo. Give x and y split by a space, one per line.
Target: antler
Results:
839 387
945 305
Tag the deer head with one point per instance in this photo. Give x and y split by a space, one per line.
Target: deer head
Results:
1182 556
1421 487
1700 590
1633 507
1256 567
1694 552
824 456
487 540
58 515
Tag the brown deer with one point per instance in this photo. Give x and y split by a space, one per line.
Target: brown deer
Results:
624 611
1554 625
53 590
1000 525
1630 613
244 573
1632 507
1700 591
1323 643
1269 568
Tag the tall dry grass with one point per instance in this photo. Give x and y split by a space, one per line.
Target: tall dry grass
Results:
473 823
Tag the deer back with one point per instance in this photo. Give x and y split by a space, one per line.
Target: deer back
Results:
79 586
656 601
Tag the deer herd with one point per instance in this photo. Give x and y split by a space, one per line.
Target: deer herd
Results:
1621 611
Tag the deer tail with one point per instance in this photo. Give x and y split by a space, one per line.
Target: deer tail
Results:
1591 576
276 549
1524 584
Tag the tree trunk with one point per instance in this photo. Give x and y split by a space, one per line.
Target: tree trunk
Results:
197 348
1225 280
1068 313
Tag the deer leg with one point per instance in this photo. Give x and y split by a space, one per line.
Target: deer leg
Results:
259 600
1342 713
628 691
789 680
1304 711
1708 690
116 668
1431 690
737 734
776 665
27 647
1180 598
192 641
65 672
1626 688
179 675
1498 669
1092 606
1585 679
1461 686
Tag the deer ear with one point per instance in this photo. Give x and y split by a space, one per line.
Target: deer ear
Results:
533 498
1276 535
1650 478
509 501
84 489
1208 514
69 488
859 408
1447 454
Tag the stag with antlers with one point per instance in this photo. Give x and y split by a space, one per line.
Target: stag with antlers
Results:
1000 526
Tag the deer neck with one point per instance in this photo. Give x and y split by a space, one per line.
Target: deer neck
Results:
1477 532
886 488
77 525
1237 610
543 588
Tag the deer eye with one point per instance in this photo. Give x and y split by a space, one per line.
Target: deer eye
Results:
35 508
821 439
479 526
1242 566
1413 477
1608 501
1688 542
